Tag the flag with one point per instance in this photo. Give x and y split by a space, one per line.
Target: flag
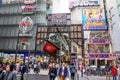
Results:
49 48
0 3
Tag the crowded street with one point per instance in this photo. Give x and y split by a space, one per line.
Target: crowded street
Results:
59 39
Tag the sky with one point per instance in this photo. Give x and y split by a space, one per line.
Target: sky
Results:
61 6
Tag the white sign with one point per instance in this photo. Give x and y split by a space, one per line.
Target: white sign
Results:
26 24
74 3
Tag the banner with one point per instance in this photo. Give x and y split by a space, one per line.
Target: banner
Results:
98 41
49 48
94 19
102 55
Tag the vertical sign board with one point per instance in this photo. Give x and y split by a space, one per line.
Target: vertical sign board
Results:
94 19
0 3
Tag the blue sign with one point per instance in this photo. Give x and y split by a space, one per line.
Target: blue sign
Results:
0 3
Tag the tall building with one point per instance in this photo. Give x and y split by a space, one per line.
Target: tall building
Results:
18 24
113 15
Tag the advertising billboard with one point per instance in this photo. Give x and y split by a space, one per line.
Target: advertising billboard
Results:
94 19
98 48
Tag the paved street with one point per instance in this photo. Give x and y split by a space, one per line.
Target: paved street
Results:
43 75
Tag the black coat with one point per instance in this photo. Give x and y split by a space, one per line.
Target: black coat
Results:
53 72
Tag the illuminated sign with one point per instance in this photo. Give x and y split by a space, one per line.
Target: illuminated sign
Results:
28 9
29 1
26 24
99 41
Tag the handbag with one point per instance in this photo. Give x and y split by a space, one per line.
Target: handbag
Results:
67 78
52 74
57 78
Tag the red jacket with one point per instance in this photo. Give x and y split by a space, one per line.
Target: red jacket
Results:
114 71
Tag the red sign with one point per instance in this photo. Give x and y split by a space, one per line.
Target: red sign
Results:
49 48
112 55
24 39
87 55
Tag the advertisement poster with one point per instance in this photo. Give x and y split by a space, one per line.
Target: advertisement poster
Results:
98 48
94 19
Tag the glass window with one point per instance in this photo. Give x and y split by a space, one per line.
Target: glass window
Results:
92 62
38 36
38 41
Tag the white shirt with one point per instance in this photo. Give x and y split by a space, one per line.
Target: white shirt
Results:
63 68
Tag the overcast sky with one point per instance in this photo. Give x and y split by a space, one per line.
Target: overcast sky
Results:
61 6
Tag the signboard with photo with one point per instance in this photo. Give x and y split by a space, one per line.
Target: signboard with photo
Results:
94 19
98 48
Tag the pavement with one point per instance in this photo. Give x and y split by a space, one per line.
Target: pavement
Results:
43 75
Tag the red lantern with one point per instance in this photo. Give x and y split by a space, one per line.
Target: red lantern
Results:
24 39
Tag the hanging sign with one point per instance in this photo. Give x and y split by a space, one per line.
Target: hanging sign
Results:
26 24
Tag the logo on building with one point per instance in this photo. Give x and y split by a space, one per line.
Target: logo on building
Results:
26 24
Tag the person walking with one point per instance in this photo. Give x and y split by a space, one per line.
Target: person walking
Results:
107 69
63 72
53 72
81 69
114 72
8 74
73 71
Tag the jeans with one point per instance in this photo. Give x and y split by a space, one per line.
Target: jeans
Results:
52 77
114 77
107 75
72 76
81 73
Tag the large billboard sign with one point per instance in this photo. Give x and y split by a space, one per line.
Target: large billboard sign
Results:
98 48
26 24
94 19
74 3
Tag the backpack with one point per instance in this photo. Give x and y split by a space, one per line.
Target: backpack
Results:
114 71
107 68
73 70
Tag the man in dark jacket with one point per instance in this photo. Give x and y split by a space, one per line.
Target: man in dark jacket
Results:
107 69
72 71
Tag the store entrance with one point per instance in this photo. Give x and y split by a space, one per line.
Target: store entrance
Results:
101 62
110 62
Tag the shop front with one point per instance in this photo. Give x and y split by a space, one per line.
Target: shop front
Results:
100 59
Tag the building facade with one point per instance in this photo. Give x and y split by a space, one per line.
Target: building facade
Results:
15 18
113 15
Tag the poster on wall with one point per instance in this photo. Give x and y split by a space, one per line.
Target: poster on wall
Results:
74 47
98 48
94 19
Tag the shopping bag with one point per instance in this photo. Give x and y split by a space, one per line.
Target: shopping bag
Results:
67 78
57 78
